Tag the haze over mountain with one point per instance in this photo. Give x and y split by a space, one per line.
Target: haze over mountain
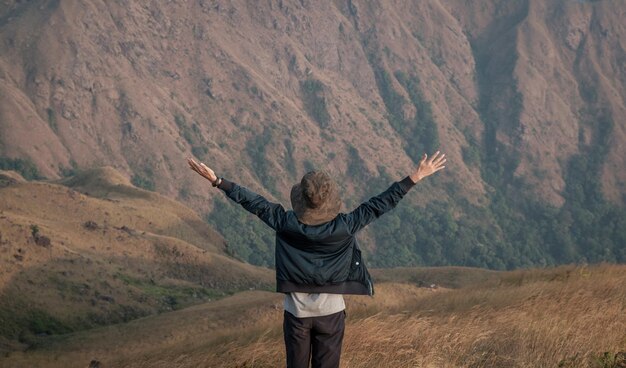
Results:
526 98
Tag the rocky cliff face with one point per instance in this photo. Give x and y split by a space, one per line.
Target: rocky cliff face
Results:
263 91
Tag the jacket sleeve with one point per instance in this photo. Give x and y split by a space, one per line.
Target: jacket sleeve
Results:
378 205
273 214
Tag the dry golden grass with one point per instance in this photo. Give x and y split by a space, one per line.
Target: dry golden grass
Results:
537 318
450 277
162 340
534 318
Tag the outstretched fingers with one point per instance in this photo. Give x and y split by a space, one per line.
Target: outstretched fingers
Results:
191 162
193 165
440 160
434 158
436 162
200 168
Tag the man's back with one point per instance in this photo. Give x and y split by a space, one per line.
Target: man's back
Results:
317 256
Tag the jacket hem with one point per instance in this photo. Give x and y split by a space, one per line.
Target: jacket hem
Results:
346 287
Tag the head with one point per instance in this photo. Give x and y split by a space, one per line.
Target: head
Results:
316 199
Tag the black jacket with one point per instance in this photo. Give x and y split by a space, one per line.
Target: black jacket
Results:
324 258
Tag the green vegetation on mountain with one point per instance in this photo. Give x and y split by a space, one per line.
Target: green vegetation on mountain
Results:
248 239
192 136
314 101
144 180
257 150
24 166
422 126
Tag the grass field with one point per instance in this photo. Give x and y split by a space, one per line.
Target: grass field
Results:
563 317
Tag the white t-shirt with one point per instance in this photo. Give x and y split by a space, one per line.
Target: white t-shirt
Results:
304 305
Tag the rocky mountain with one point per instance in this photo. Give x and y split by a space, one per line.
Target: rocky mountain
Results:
526 98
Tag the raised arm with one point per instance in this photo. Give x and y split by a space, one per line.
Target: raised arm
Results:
387 200
273 214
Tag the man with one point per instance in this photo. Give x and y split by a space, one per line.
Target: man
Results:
317 256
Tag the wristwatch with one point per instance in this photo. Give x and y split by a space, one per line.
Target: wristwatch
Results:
217 182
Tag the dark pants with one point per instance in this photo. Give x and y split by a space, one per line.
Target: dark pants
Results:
314 338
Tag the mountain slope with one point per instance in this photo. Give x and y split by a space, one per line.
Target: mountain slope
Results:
526 98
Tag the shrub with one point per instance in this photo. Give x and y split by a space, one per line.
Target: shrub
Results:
248 238
314 101
24 166
256 149
52 119
144 181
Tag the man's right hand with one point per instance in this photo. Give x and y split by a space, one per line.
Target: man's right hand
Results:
202 169
428 167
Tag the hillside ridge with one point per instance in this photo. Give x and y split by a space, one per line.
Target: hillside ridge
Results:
70 260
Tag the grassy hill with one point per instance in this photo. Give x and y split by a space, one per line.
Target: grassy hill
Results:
567 317
93 250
